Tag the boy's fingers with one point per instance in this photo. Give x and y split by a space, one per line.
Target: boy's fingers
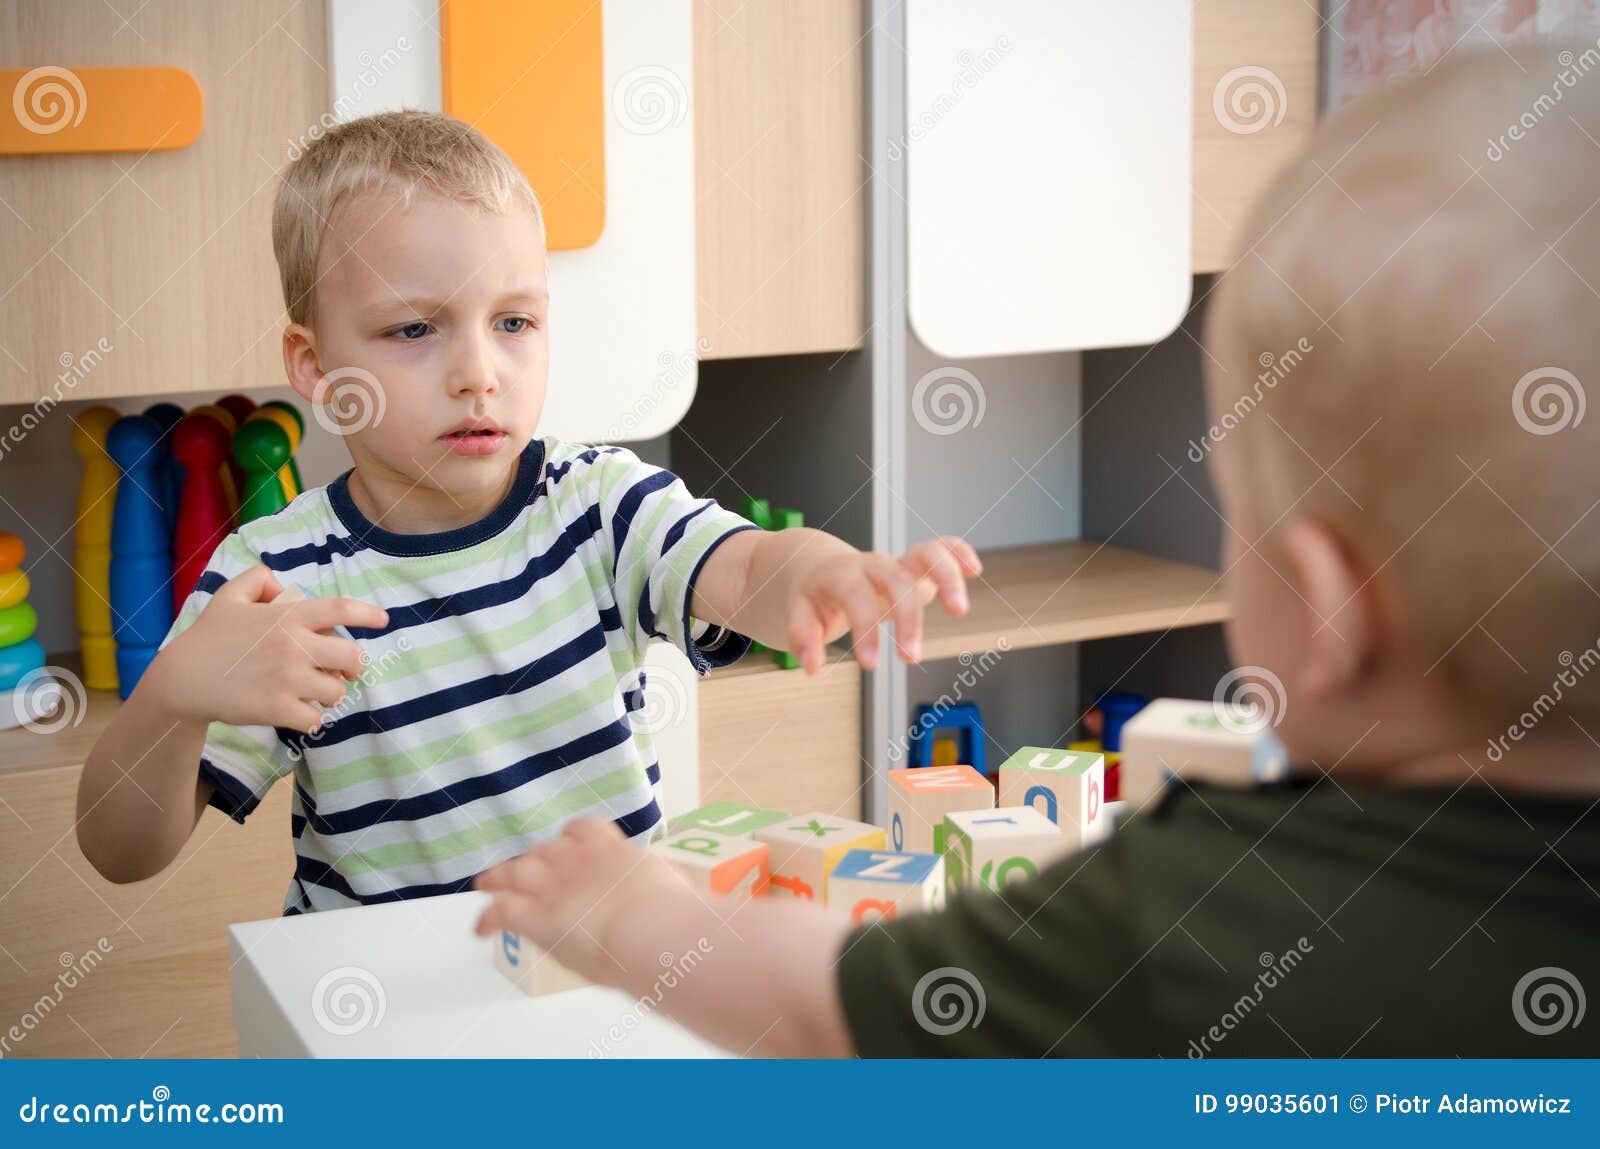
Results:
806 634
859 602
257 584
940 565
965 553
895 583
525 873
511 912
300 715
327 613
342 655
321 687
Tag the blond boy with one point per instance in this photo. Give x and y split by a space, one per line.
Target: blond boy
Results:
491 592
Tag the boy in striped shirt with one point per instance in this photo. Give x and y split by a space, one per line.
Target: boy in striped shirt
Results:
441 650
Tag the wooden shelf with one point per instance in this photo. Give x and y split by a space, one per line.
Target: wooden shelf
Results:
1071 592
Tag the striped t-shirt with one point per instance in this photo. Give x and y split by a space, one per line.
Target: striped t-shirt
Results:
497 703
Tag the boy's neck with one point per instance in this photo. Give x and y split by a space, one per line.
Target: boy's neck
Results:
406 506
1556 763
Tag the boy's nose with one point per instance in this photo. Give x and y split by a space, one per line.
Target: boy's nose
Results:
473 371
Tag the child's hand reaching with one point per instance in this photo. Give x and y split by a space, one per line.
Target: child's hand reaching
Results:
858 591
565 895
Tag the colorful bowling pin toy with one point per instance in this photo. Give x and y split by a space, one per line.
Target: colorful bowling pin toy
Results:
141 550
286 475
91 560
241 407
261 448
201 445
166 416
232 476
295 439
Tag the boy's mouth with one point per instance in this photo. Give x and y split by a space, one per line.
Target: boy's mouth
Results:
474 437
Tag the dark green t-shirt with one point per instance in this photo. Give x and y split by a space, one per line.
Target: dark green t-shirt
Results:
1307 919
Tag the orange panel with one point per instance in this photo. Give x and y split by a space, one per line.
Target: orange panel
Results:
529 77
54 110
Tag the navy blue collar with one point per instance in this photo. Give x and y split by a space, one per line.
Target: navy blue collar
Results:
530 467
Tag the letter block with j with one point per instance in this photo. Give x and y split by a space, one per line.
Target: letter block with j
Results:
993 848
806 848
1066 786
920 797
734 818
718 863
873 884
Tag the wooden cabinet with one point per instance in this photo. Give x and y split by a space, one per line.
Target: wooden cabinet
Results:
780 180
1252 59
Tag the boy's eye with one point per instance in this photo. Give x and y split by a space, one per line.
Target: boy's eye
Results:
412 331
523 323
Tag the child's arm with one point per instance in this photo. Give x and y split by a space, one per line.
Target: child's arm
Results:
799 589
254 656
763 979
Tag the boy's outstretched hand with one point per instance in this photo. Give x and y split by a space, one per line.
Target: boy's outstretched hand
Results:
566 894
857 591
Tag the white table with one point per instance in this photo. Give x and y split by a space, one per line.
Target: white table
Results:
411 979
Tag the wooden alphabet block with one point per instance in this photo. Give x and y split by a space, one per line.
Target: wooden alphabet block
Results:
992 848
530 968
805 849
718 863
734 818
920 797
873 884
1066 786
1174 737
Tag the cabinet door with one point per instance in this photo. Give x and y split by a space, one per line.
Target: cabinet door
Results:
137 274
1255 104
780 182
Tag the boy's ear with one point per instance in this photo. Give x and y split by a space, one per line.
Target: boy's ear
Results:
300 360
1342 617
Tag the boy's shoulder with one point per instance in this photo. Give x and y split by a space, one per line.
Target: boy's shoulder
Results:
308 521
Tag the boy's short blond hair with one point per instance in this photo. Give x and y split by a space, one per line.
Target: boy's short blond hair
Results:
1437 247
395 152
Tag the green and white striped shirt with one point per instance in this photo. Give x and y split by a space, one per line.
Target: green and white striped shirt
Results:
497 702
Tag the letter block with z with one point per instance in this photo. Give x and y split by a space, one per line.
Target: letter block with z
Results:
992 848
718 863
873 884
920 797
805 849
1066 786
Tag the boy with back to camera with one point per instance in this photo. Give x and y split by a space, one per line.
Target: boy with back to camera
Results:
1412 547
491 592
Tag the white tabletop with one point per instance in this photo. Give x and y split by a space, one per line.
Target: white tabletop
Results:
410 979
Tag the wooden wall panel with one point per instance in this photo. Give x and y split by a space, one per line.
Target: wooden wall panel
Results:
781 740
780 180
165 256
1272 45
160 986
